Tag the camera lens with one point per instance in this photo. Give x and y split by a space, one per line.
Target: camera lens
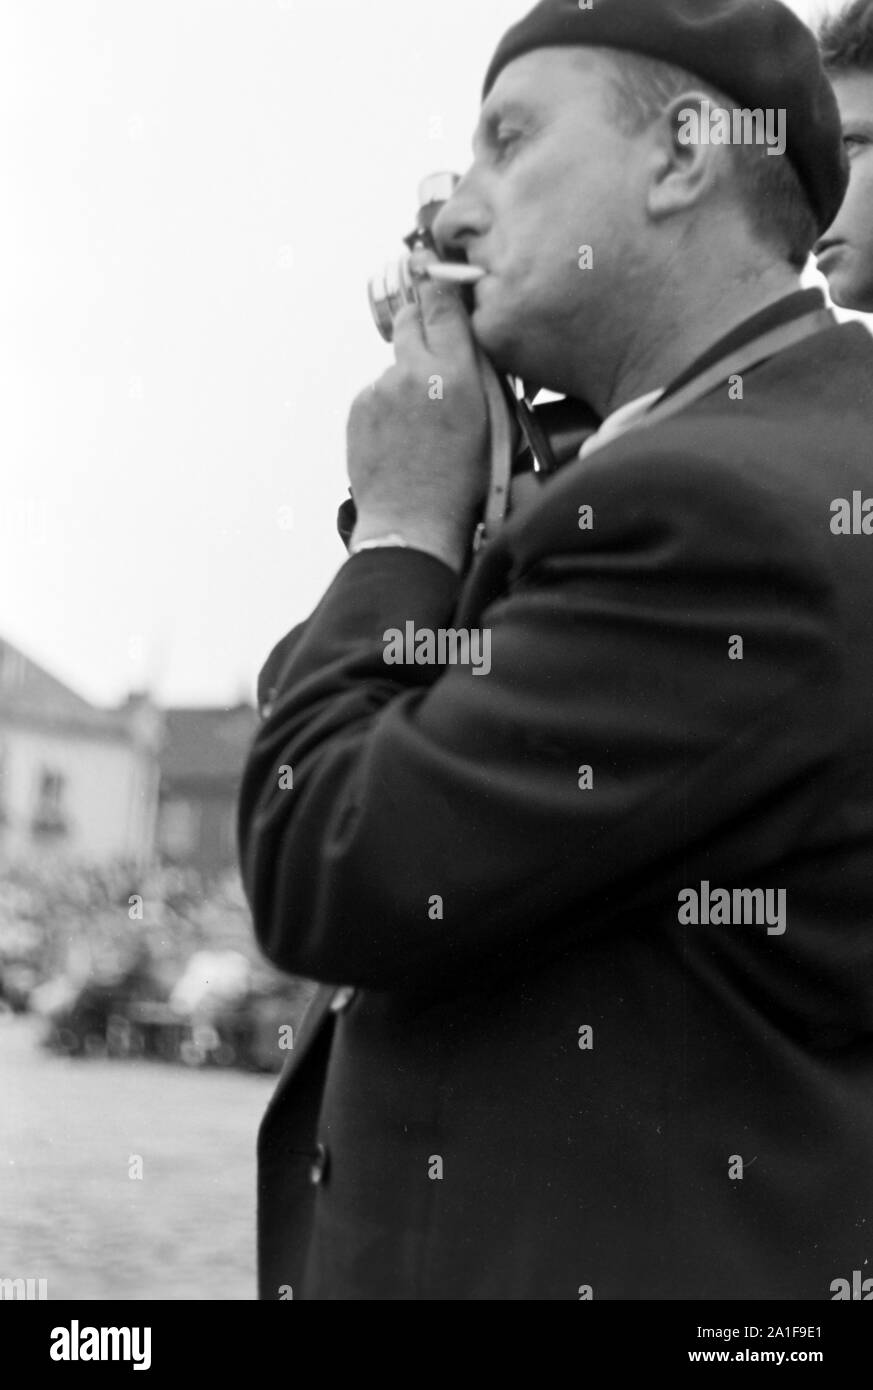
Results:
389 292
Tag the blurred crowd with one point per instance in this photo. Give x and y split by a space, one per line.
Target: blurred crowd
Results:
117 963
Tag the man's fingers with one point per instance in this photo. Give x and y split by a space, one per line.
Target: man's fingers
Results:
445 321
438 326
409 340
439 322
409 336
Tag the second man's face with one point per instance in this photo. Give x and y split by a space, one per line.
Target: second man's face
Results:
845 252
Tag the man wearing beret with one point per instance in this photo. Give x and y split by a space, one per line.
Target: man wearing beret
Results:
593 924
845 252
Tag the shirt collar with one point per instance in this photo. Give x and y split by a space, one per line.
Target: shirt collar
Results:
619 421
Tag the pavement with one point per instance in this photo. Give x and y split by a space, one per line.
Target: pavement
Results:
75 1134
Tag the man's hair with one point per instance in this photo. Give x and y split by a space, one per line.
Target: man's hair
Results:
846 38
769 188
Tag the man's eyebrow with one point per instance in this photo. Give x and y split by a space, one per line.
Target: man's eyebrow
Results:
862 126
492 119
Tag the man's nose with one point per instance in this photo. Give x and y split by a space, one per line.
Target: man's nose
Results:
461 220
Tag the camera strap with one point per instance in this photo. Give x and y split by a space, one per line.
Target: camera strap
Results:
502 443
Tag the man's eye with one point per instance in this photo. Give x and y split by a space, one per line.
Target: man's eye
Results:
505 140
855 142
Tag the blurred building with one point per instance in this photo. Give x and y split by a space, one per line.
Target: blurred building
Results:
136 783
202 759
76 782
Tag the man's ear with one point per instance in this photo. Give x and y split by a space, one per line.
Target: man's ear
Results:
685 164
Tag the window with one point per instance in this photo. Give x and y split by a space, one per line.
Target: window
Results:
50 816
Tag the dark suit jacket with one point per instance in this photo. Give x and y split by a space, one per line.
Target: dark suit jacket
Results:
716 1140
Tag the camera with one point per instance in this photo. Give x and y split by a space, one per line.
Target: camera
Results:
395 286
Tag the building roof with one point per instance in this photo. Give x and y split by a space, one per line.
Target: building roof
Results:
30 695
206 746
197 747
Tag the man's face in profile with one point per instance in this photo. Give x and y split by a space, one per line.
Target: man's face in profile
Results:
552 174
845 252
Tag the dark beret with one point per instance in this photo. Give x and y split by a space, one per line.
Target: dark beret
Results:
755 51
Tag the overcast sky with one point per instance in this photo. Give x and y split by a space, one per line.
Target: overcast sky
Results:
196 193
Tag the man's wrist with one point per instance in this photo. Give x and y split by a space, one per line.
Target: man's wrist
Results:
372 533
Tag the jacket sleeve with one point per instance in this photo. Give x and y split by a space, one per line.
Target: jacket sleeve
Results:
439 818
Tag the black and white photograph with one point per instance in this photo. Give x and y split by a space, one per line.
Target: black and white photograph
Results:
436 670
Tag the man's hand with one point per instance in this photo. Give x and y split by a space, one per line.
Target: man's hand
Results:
418 438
